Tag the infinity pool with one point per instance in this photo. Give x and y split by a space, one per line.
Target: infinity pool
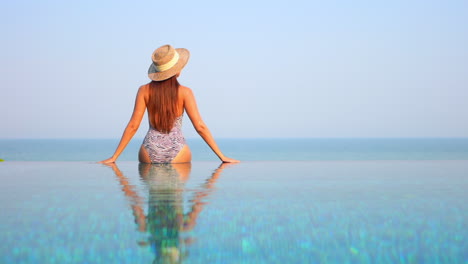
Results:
252 212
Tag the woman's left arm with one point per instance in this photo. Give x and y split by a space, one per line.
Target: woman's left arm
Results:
133 124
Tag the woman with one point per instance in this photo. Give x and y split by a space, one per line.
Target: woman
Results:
166 101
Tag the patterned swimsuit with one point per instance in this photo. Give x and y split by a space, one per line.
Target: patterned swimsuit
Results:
161 147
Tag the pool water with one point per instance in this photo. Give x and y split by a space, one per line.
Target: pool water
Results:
252 212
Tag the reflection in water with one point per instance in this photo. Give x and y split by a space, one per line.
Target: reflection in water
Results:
166 222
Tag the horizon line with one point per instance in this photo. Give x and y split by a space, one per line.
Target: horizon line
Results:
246 138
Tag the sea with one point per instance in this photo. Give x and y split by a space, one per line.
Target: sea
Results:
335 200
254 149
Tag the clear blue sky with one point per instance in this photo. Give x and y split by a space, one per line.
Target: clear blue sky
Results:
71 69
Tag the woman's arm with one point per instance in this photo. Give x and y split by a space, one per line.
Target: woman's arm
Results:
191 108
132 126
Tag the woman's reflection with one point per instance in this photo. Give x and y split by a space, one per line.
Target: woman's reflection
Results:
166 222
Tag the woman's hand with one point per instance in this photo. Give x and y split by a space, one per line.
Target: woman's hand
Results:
229 160
107 161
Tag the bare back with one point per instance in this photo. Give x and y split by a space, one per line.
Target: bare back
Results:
169 147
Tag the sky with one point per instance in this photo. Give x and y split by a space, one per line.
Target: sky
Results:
258 69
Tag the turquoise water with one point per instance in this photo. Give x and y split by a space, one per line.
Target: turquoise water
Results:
362 201
248 149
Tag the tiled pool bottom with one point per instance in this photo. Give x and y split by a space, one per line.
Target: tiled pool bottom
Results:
252 212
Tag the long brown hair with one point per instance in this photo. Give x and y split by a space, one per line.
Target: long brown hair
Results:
162 104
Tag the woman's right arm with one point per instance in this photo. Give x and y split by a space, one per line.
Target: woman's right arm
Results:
191 108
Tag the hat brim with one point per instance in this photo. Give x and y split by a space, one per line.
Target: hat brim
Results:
154 75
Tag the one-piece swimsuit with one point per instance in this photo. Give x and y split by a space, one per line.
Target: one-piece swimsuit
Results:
164 147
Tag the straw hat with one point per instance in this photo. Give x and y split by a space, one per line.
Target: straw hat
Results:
167 62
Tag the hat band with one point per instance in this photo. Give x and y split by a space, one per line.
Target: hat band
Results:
169 64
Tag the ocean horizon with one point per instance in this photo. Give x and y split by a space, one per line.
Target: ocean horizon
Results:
247 149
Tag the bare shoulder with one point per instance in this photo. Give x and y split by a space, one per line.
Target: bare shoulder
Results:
143 92
185 92
144 88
